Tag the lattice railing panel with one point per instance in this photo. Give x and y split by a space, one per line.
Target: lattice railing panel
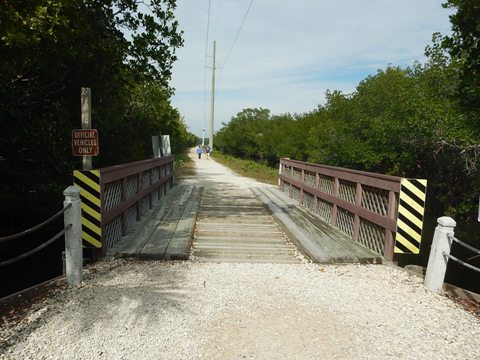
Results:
155 175
131 186
375 200
155 196
113 232
347 191
112 194
297 174
144 205
296 194
325 184
309 178
324 209
345 221
131 216
308 200
372 236
144 180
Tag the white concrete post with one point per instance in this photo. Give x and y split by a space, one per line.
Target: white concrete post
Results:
73 236
437 262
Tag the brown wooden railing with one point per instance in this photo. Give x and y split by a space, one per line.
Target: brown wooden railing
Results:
115 197
128 191
363 205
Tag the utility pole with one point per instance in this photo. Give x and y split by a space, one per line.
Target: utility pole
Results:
212 100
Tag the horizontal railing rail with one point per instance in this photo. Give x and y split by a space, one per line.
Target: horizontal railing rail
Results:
465 245
36 227
117 196
363 205
31 230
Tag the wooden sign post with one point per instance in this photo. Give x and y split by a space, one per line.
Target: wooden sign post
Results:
86 100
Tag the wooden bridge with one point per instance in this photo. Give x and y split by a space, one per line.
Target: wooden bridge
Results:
220 217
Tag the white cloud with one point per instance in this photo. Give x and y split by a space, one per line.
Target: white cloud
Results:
290 52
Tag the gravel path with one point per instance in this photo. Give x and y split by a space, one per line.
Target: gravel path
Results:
191 310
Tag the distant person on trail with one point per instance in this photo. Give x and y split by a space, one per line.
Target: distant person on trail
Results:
199 152
207 151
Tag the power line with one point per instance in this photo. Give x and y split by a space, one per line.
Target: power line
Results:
238 32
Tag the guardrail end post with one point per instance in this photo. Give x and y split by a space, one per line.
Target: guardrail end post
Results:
73 236
437 261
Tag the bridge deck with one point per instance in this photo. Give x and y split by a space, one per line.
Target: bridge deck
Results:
234 226
225 218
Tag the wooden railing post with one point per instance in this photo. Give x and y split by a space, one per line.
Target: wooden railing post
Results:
124 214
336 191
315 198
301 189
356 221
389 242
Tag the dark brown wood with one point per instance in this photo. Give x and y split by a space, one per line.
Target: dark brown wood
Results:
315 198
358 204
335 198
360 178
103 238
385 182
390 234
124 214
302 199
117 172
137 204
375 218
119 209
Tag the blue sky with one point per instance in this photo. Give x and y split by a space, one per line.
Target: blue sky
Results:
289 53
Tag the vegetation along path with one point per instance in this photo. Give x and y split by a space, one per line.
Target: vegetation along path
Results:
212 310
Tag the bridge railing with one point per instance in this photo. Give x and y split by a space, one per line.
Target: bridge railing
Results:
115 197
363 205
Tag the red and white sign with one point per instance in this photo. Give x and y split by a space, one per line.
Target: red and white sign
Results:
85 142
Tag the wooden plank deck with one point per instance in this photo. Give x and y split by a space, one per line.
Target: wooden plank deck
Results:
315 237
232 224
167 234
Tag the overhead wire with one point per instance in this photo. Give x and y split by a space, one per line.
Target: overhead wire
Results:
238 33
233 43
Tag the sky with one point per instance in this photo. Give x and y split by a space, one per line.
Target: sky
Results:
290 52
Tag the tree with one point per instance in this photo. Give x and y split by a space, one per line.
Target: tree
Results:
464 46
49 49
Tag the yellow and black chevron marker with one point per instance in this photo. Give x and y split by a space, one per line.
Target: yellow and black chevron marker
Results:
88 182
411 209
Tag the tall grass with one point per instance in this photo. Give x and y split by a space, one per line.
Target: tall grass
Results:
248 168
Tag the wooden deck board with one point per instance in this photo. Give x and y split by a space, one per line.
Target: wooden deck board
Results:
168 232
318 239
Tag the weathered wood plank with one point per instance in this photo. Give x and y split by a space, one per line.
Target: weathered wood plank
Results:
181 242
320 241
134 242
170 238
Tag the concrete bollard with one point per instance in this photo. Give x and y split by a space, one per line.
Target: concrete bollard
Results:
437 261
73 236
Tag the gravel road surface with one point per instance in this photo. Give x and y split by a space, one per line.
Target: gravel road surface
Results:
192 310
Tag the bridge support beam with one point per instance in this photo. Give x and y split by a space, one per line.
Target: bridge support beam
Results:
437 262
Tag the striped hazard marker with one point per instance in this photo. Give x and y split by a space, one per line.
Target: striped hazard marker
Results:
88 182
411 211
